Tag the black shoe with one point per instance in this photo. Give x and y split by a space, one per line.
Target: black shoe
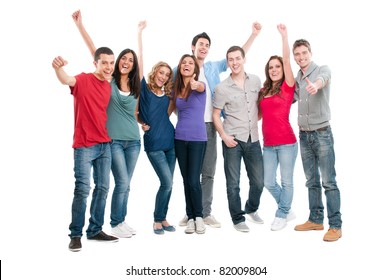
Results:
75 245
101 236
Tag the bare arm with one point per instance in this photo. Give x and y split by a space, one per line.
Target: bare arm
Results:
140 29
58 64
228 139
288 72
171 108
77 17
196 85
259 113
256 27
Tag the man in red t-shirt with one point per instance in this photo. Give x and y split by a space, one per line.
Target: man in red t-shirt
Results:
91 143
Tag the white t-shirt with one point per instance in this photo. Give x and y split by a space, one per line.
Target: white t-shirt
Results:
208 110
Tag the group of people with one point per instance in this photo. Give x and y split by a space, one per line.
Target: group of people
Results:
112 102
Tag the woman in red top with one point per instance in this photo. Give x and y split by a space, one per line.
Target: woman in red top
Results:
280 143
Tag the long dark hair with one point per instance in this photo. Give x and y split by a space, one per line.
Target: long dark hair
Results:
268 87
133 76
179 81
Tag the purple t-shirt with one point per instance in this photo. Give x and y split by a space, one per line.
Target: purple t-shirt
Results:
190 125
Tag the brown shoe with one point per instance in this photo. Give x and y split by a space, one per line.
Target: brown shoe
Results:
309 226
332 234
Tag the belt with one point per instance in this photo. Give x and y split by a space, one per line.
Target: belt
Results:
324 128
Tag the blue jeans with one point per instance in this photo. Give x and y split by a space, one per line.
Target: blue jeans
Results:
284 156
190 156
163 163
99 158
318 156
124 158
208 169
253 159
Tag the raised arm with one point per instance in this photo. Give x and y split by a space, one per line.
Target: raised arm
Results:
288 72
77 17
140 28
256 27
58 64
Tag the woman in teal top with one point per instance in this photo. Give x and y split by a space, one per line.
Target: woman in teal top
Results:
123 128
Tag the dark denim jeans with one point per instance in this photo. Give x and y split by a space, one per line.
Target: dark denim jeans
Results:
253 158
163 163
97 157
190 156
318 156
124 158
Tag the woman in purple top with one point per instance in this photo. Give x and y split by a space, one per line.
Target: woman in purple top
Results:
189 100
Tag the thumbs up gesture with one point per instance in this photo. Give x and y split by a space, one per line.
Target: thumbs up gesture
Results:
194 83
311 87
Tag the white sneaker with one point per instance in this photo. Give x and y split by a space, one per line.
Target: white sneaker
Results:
183 222
212 222
190 226
121 231
133 231
200 226
241 227
255 218
278 223
290 216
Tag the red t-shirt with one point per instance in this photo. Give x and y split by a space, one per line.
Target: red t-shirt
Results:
91 98
275 110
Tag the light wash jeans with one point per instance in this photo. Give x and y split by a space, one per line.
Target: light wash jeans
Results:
283 156
124 158
97 157
318 156
208 169
163 163
253 158
190 156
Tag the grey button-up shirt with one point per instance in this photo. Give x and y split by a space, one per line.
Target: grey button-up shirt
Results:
240 107
313 109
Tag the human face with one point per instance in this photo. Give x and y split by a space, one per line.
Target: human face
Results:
275 70
187 67
125 65
104 67
236 62
302 57
201 48
162 76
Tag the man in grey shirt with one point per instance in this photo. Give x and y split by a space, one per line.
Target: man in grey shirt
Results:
316 142
237 96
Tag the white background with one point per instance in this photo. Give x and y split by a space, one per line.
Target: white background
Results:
37 127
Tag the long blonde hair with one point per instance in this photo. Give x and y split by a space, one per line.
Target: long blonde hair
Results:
168 86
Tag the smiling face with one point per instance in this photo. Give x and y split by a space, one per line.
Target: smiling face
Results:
187 68
162 76
201 48
104 66
235 61
275 70
126 63
302 56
